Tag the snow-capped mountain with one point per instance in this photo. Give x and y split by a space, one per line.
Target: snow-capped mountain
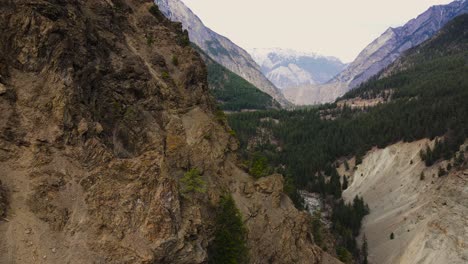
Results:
219 48
379 54
289 68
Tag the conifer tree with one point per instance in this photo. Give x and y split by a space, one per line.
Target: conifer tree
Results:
192 182
229 245
364 250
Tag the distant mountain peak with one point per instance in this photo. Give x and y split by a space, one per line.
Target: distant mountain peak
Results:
288 67
283 52
288 53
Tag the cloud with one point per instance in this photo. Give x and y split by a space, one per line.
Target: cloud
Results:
340 28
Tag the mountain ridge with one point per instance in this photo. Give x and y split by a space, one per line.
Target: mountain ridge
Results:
379 54
290 68
232 92
220 48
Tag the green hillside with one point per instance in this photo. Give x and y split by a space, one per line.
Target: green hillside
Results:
232 92
429 98
430 95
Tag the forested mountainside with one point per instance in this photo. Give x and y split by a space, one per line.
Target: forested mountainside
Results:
422 95
414 189
379 54
219 48
395 41
430 85
112 153
232 92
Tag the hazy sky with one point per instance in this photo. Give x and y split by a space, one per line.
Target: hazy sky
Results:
340 28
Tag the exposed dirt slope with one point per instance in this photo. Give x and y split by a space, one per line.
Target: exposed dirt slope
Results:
98 125
429 217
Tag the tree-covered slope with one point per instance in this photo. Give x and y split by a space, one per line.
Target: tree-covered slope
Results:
429 91
232 92
381 53
427 94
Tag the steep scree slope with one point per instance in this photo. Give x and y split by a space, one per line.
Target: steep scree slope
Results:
428 216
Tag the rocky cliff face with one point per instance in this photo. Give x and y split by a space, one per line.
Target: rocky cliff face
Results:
219 48
379 54
288 68
97 129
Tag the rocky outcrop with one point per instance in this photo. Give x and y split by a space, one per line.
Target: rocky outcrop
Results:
97 129
219 48
277 232
379 54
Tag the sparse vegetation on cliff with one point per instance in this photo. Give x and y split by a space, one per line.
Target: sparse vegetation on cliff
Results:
192 182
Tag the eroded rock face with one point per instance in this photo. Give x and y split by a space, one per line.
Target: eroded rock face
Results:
278 233
98 127
427 215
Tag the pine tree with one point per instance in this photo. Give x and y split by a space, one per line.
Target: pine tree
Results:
345 182
343 254
441 172
334 186
192 182
364 250
317 229
460 159
346 165
259 166
359 158
229 244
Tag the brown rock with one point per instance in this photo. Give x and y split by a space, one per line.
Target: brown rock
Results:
248 189
277 231
98 128
2 89
82 127
270 184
